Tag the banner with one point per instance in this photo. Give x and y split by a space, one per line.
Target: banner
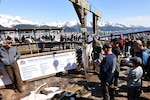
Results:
35 67
44 65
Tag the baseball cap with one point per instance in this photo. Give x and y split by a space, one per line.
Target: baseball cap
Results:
107 45
6 41
136 60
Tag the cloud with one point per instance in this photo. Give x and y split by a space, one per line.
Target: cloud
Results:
137 20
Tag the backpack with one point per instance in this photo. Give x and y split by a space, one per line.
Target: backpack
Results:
98 49
148 63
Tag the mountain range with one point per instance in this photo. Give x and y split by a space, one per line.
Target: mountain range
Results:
7 21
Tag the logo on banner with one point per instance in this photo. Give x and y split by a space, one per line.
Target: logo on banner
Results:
22 62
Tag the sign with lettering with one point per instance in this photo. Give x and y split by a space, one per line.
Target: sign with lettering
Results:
35 67
45 65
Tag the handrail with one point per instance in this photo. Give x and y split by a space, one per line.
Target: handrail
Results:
30 48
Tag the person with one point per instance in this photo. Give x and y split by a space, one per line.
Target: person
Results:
143 53
148 43
62 40
23 38
122 43
42 43
133 42
117 71
127 47
116 50
107 69
96 48
8 56
96 51
134 79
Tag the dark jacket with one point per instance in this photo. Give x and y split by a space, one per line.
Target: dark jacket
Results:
10 56
107 68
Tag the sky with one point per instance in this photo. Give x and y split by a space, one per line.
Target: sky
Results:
135 12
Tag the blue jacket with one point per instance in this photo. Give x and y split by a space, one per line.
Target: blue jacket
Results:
107 68
144 56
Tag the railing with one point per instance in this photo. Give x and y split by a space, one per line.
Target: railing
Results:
31 48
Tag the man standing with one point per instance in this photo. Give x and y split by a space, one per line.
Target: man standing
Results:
107 68
97 52
8 56
122 43
96 48
142 52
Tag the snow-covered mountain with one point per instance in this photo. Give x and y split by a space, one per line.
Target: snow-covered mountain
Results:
14 21
10 21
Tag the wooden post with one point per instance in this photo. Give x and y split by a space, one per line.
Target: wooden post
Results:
95 21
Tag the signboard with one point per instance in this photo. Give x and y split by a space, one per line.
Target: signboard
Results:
35 67
98 13
45 65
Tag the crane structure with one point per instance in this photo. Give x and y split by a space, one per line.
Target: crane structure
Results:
81 8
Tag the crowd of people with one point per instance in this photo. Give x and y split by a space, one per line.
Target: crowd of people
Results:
51 37
42 39
137 50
